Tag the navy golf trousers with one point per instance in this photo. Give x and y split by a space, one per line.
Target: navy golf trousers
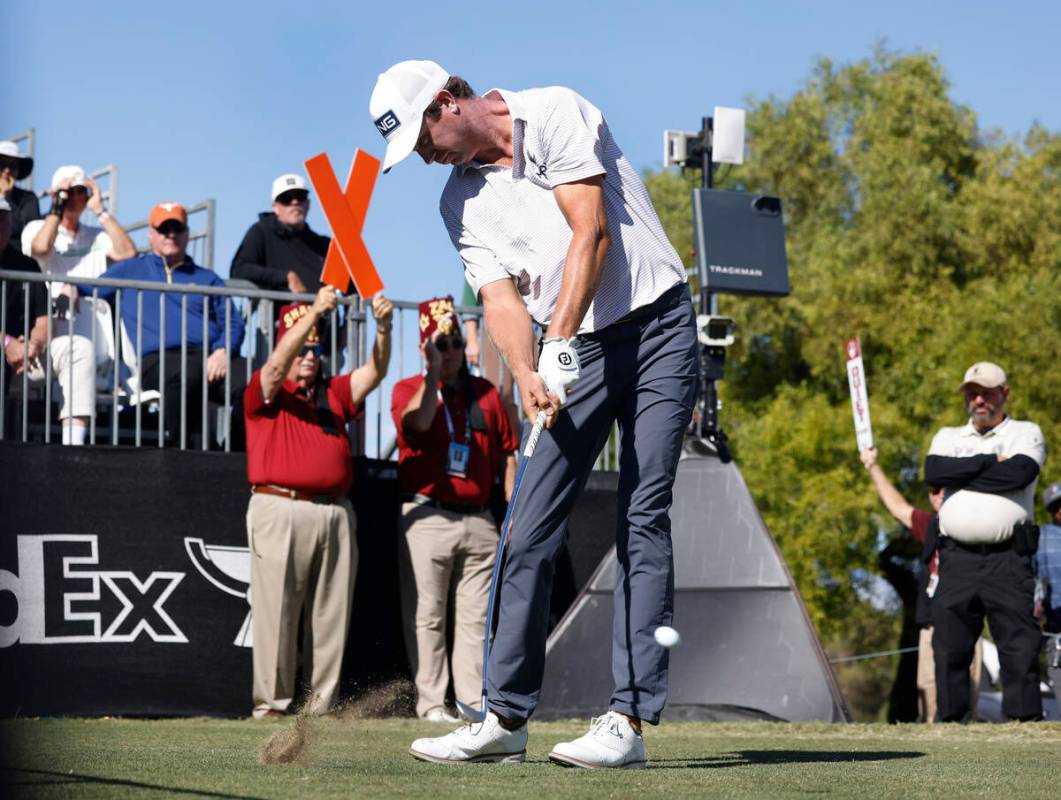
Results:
643 374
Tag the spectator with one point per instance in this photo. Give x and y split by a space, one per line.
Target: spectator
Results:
63 246
20 348
989 468
280 251
169 263
925 528
1048 577
300 525
455 440
24 206
481 354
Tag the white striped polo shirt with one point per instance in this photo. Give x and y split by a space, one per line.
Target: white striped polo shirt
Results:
505 223
981 517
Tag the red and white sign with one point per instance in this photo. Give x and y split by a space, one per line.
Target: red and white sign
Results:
856 381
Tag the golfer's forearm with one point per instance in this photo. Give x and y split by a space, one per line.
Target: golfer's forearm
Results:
582 271
509 327
896 504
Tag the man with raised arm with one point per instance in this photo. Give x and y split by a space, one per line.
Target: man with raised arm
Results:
300 524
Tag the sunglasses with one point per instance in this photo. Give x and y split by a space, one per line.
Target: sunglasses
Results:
310 348
287 198
78 190
171 228
443 344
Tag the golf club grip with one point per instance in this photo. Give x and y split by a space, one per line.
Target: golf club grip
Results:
535 435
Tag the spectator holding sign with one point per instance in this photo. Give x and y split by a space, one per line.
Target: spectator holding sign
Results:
300 524
924 526
455 440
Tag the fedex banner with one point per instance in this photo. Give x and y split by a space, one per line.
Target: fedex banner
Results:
124 582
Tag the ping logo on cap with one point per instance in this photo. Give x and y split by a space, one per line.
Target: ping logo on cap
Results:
387 124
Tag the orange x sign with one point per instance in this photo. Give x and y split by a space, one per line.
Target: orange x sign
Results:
345 211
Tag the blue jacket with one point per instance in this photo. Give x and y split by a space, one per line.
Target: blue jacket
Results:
149 267
1048 566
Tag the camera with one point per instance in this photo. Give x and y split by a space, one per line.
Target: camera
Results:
715 331
59 201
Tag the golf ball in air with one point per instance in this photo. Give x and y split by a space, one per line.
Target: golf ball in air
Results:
667 637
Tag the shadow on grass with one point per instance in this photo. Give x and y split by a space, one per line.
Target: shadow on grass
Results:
10 778
746 758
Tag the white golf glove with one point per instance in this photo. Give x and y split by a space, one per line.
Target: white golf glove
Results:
558 365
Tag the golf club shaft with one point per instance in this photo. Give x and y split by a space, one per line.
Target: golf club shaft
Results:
528 451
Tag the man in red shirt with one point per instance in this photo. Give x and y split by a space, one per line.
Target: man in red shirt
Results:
454 439
300 524
924 526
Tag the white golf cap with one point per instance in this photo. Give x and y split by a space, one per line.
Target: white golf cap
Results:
984 373
401 96
74 173
287 183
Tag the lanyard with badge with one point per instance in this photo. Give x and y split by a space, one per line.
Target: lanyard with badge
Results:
458 453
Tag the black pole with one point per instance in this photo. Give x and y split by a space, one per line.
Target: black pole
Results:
712 359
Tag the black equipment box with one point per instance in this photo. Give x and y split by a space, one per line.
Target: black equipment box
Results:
740 242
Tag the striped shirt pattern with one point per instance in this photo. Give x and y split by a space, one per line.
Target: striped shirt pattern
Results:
505 223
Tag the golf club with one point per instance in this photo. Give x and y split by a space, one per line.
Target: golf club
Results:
532 442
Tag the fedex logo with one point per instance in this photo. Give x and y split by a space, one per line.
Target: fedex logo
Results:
63 599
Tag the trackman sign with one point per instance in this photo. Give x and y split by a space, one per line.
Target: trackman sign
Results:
64 598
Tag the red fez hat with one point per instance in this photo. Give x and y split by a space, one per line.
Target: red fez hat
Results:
289 317
438 314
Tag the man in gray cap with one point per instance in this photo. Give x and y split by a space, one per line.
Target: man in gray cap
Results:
1048 584
988 469
14 166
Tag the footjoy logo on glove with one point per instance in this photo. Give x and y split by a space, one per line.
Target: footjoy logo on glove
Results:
564 359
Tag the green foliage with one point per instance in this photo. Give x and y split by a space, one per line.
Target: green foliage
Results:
936 244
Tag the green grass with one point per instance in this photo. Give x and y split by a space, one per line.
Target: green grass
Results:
368 758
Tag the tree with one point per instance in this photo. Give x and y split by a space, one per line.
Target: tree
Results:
938 245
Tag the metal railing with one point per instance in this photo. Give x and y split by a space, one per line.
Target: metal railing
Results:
118 392
126 411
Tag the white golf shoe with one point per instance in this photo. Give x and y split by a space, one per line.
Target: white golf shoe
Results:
484 741
610 743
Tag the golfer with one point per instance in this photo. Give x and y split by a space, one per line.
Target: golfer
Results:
555 228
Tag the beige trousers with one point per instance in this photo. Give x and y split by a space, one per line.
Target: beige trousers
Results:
442 556
303 565
74 369
926 677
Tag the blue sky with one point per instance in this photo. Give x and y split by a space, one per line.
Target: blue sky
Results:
202 100
198 100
